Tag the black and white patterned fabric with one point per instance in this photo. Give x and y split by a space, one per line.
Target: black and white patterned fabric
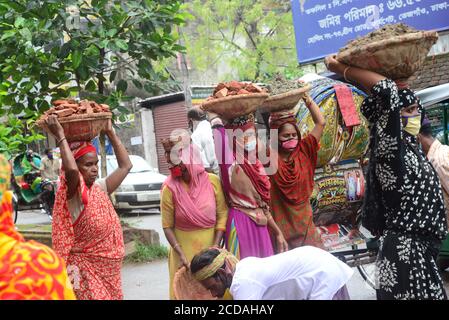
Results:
404 201
242 120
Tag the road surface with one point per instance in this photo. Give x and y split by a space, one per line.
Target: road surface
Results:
149 281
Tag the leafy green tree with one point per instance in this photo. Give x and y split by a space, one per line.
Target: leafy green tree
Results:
56 49
255 37
12 138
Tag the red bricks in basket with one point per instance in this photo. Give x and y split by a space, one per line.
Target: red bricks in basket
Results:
69 107
234 88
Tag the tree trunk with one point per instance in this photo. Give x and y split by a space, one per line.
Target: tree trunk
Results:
104 170
185 74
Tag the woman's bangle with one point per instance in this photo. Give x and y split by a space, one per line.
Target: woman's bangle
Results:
62 139
176 245
308 101
344 73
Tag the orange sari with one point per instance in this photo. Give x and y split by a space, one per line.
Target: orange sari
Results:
28 269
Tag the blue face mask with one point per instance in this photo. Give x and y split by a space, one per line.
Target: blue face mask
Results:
250 146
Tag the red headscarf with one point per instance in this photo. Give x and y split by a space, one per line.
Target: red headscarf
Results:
81 148
255 172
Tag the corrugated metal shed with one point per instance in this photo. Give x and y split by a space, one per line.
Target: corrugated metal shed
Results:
169 113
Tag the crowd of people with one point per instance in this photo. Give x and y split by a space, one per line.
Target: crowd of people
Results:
240 231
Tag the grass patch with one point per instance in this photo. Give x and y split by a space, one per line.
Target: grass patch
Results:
34 227
129 224
147 253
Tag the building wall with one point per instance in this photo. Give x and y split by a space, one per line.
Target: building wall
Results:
435 71
167 118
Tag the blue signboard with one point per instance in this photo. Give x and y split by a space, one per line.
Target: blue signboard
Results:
322 27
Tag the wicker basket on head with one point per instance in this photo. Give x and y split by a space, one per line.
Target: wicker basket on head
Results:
231 107
284 101
186 287
84 127
398 57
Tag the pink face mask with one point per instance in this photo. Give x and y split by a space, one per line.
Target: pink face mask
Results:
290 144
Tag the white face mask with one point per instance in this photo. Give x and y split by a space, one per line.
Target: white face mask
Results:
250 146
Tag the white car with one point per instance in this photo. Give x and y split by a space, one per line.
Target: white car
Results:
432 98
141 189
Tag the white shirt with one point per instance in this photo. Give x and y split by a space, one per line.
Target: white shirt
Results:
304 273
203 138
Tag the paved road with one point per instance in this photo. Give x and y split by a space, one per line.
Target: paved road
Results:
149 281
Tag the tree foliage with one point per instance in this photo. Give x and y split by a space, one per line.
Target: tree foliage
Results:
56 49
12 137
255 37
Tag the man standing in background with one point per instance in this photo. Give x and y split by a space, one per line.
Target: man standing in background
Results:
202 137
438 155
50 166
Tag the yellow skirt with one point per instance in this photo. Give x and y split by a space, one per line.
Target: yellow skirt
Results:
192 242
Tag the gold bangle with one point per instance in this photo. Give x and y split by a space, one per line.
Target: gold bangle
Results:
344 73
57 143
176 245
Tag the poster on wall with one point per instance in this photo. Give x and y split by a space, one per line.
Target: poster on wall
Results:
322 27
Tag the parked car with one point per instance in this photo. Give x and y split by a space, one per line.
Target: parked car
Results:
141 189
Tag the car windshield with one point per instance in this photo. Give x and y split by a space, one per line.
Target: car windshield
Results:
139 165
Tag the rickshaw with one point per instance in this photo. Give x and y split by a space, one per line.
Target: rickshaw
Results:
30 191
339 177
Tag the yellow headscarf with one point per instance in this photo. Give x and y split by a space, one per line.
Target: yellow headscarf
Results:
225 257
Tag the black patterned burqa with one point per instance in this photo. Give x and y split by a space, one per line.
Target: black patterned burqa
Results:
403 201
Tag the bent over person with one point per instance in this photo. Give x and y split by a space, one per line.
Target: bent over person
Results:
86 229
304 273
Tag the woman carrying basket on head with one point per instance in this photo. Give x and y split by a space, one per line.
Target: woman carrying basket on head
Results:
403 203
247 186
193 206
86 229
292 184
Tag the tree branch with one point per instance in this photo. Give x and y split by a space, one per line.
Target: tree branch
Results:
250 38
232 43
120 64
56 87
123 25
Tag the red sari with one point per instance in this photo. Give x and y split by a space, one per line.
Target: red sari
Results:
291 188
92 246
